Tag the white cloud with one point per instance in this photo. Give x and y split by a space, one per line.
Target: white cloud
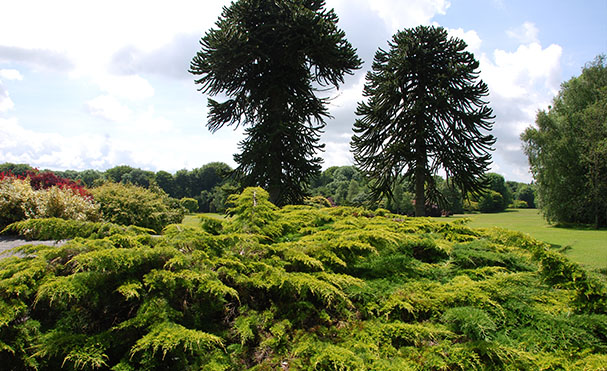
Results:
526 33
80 152
520 83
150 123
88 33
400 14
347 99
109 108
132 87
6 103
10 74
470 37
517 74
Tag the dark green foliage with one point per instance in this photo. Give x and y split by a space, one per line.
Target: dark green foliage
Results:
268 57
301 288
425 111
491 202
567 150
15 169
127 204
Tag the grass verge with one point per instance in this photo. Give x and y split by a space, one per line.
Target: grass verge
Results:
585 246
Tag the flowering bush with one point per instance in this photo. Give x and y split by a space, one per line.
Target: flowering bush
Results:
45 180
19 200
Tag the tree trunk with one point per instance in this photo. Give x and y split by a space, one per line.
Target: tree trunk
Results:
420 169
420 198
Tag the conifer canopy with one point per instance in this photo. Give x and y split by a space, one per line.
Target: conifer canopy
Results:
425 111
269 58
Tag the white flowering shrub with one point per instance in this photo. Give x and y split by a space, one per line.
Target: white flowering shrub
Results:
19 201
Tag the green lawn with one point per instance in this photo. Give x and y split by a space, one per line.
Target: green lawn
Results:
588 246
193 220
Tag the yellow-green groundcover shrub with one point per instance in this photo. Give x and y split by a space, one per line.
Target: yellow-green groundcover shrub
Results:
302 288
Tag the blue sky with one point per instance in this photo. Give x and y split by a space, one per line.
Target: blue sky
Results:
97 84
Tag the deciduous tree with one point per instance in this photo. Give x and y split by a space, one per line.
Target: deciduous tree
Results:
425 111
567 150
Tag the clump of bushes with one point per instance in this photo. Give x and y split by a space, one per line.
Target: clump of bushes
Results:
19 200
127 204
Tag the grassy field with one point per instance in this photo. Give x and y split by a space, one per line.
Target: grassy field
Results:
193 220
586 246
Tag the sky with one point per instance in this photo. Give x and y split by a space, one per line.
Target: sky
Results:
95 84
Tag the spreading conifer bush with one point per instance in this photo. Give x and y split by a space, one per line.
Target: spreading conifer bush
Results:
302 288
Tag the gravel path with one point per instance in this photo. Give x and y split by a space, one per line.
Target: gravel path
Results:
9 242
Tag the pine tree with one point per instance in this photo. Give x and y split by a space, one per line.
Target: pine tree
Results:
268 58
425 111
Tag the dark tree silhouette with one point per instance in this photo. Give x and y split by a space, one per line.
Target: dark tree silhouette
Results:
425 111
269 58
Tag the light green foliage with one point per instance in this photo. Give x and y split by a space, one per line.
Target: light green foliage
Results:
60 229
19 201
254 213
471 322
301 288
127 204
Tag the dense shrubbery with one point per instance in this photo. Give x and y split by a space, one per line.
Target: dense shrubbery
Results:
19 200
127 204
302 287
190 204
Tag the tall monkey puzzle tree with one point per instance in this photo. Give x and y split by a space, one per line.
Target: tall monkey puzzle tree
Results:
425 111
268 57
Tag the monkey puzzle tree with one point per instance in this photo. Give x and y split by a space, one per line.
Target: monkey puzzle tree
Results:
268 58
425 111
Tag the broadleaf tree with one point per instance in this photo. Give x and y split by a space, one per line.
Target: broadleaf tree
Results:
567 150
269 58
425 111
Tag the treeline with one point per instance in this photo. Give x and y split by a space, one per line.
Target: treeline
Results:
211 184
346 186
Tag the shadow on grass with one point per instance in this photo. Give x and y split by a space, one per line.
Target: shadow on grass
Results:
578 227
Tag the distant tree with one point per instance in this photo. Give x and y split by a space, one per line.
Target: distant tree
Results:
567 150
425 111
115 174
165 181
89 177
183 187
15 169
526 193
268 57
497 183
138 177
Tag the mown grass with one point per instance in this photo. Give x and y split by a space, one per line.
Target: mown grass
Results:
585 246
192 220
